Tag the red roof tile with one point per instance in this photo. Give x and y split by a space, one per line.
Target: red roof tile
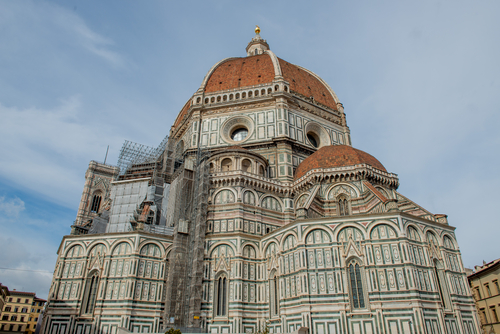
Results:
255 70
336 156
241 72
306 84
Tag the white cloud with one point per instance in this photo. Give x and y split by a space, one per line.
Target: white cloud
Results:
30 20
11 207
48 148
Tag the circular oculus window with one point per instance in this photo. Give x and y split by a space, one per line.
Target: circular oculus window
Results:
313 139
237 129
239 134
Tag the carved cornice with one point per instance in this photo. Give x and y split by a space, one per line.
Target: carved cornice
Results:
349 173
238 106
240 178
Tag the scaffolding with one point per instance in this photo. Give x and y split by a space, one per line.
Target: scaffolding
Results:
134 153
184 287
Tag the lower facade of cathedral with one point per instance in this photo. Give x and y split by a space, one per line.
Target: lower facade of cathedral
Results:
366 274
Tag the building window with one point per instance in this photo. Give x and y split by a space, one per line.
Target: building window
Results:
488 291
261 171
494 314
5 317
24 310
274 294
96 203
482 315
442 288
496 286
7 309
18 300
478 293
239 134
356 285
226 165
13 318
90 293
221 307
26 301
246 166
343 205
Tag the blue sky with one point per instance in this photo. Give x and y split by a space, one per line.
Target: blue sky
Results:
419 82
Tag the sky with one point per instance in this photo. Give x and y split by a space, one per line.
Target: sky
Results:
419 81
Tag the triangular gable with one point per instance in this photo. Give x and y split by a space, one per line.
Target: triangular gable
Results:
412 207
313 193
352 249
375 191
222 263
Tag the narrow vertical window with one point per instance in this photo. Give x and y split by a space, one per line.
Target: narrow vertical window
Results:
274 295
442 288
357 295
90 293
96 203
488 291
221 307
343 206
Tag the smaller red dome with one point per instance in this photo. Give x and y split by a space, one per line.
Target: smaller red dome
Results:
336 156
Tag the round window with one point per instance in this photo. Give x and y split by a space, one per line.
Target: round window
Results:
313 139
239 134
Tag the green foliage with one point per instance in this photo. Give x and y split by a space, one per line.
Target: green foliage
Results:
173 331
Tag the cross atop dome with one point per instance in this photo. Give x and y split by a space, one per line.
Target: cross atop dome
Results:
257 45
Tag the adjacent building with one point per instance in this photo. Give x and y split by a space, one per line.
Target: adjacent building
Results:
21 312
486 291
4 293
256 211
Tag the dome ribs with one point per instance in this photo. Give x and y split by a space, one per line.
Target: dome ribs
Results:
241 72
336 156
306 84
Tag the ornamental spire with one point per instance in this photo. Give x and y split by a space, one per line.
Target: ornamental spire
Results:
257 45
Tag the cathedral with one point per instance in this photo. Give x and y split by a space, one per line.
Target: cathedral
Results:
255 212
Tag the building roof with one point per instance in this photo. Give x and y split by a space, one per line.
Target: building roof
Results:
235 73
15 292
336 156
485 267
263 68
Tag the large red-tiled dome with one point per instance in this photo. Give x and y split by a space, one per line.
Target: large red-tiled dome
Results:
234 73
336 156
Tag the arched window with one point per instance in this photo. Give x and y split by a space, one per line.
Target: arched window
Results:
212 168
356 286
273 294
261 171
96 203
441 283
221 293
246 166
343 205
90 293
226 165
